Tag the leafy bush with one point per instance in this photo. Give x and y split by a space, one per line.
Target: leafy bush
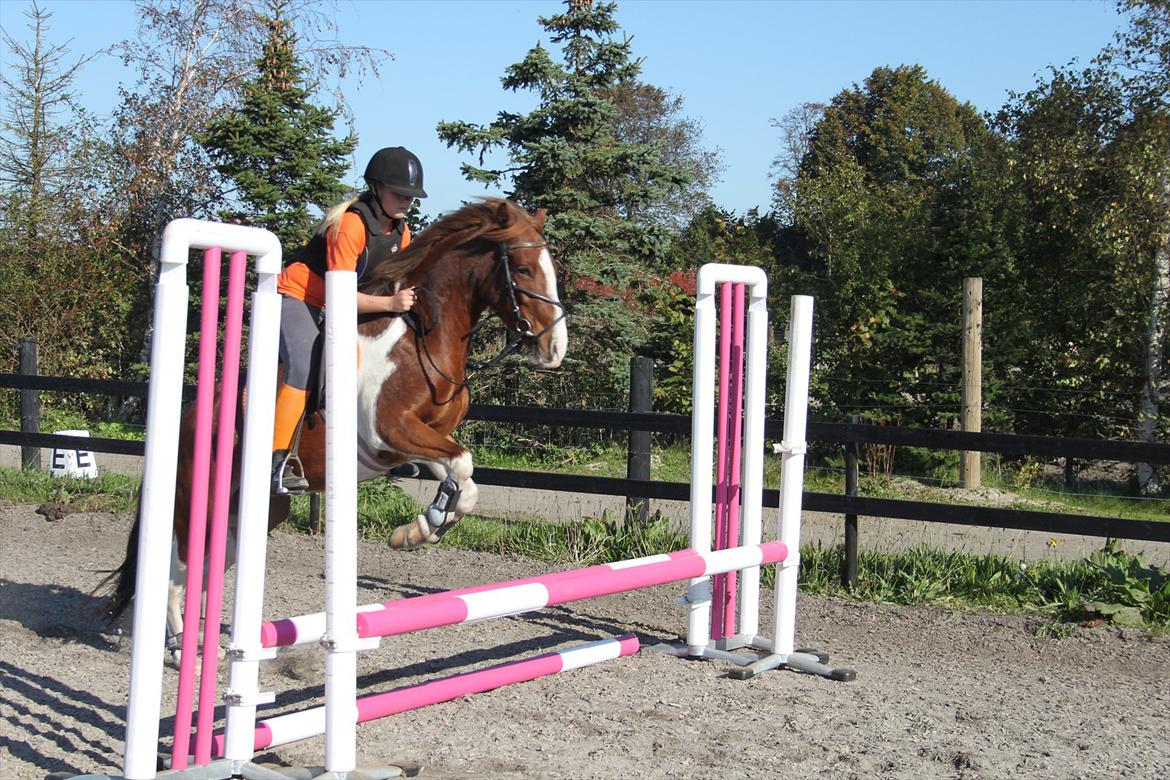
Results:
1130 593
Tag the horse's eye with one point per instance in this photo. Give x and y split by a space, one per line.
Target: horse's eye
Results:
523 271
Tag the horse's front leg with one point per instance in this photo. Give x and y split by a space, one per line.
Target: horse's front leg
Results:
456 494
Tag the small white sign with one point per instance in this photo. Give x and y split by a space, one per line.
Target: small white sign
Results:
78 464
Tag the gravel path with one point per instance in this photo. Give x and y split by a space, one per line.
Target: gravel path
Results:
938 694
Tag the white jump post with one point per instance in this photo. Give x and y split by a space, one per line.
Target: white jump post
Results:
747 648
168 347
341 531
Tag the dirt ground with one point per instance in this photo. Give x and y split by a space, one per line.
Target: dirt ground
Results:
938 694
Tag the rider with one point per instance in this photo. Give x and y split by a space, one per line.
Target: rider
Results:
354 235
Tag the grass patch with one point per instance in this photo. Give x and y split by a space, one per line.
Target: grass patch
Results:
110 492
1110 586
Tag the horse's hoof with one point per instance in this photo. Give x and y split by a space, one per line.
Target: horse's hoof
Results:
411 535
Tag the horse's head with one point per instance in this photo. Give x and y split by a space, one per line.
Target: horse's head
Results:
513 274
528 302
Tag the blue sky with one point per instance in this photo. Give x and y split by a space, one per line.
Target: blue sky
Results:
737 64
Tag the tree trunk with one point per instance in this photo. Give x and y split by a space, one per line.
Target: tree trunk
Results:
1156 368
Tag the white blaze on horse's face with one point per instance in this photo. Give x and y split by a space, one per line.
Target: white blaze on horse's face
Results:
550 349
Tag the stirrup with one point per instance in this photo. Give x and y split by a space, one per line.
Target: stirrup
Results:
288 475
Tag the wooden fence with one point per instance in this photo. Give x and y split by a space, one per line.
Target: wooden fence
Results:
636 486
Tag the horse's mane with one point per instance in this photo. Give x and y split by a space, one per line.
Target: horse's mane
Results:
493 219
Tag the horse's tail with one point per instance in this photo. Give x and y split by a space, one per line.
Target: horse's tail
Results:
124 577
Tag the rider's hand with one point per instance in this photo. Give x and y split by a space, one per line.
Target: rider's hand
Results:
403 300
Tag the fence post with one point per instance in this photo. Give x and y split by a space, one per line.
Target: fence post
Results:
638 448
30 404
315 513
971 414
849 571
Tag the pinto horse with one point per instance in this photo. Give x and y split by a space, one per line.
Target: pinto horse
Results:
412 384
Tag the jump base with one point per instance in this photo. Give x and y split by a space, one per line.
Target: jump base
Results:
759 658
222 770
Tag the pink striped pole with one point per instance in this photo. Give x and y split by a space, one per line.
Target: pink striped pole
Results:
283 729
197 516
224 447
736 465
512 598
310 628
730 448
719 584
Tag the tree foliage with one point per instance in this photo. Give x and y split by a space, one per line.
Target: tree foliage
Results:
61 282
880 198
599 172
1090 163
277 148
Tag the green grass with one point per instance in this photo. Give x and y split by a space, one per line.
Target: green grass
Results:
53 420
109 492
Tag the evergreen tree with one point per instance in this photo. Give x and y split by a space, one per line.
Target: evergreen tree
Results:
277 147
568 155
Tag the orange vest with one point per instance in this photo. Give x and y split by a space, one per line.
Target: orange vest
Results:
343 249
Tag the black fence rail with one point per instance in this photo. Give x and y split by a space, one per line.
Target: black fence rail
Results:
847 434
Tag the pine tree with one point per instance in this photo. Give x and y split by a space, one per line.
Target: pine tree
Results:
567 155
277 147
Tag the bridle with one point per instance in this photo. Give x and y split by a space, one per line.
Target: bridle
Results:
516 333
523 328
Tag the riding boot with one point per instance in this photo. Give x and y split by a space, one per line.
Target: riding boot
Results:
286 479
288 476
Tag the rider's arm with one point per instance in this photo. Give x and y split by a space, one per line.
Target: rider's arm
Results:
374 304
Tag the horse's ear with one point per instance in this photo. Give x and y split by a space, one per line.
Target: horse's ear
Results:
503 213
539 217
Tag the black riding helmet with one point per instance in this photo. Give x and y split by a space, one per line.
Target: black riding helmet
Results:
397 169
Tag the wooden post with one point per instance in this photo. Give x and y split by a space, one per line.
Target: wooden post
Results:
849 572
30 404
638 448
972 396
315 513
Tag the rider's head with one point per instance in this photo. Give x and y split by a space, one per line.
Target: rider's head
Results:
398 169
395 171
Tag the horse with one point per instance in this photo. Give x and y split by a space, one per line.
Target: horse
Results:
412 385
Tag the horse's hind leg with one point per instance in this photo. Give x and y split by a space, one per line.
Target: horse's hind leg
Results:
176 601
176 588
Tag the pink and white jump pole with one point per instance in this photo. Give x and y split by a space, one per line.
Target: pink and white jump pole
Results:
282 729
303 629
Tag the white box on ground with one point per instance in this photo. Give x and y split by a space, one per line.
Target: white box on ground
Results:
78 464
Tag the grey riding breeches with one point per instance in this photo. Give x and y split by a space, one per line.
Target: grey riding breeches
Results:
300 341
